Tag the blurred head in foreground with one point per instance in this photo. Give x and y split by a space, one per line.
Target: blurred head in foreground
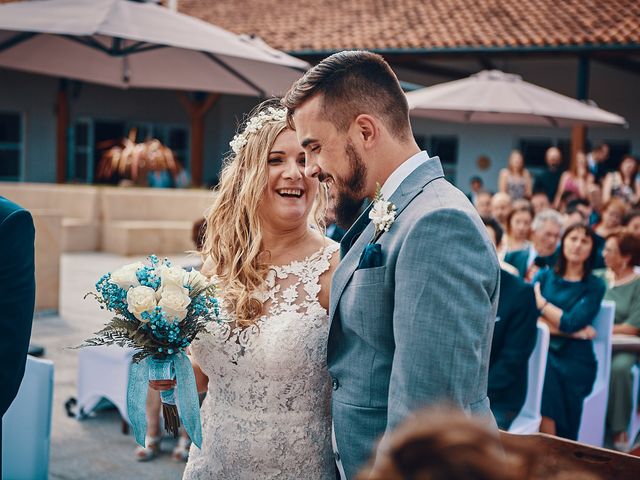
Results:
445 444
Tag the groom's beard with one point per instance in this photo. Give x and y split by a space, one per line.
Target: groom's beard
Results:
349 191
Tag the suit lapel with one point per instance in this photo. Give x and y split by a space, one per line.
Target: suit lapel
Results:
401 198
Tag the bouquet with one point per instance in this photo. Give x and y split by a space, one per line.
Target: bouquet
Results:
159 310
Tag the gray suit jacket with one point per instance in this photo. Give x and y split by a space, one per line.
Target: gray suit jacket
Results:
417 330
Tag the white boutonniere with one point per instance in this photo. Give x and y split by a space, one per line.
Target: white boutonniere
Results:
383 214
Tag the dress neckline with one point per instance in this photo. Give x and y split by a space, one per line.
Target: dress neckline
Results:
309 258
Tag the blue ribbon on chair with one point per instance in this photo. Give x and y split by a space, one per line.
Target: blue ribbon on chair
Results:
177 365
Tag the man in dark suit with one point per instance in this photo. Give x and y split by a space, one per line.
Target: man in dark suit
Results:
548 180
514 338
546 231
17 297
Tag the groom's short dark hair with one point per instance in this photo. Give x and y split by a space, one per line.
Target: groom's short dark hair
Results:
352 83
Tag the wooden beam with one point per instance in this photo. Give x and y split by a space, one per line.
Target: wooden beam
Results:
578 136
579 131
62 126
197 109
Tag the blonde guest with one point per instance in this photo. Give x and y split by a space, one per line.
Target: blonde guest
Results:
515 180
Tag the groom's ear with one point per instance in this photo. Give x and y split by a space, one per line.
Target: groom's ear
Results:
368 129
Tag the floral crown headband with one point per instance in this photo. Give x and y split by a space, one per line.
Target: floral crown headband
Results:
254 125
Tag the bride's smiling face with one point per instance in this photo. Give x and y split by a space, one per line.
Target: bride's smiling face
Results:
289 195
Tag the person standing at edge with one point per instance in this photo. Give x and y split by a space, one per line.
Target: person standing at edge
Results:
17 298
413 305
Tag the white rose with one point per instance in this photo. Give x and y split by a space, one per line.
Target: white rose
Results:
174 301
141 299
196 280
172 276
125 277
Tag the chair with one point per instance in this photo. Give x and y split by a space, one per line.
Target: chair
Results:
103 374
594 407
528 420
634 421
26 426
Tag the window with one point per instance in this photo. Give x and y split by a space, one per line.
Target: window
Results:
534 149
445 147
10 146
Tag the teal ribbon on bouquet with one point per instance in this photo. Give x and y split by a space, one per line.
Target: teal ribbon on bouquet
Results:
175 366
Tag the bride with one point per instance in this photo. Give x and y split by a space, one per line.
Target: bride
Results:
266 413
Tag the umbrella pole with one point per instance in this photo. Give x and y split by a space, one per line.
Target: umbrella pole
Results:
62 125
197 109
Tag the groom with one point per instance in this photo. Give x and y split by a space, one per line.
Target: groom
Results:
412 313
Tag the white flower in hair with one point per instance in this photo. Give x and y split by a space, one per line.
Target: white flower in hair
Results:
254 125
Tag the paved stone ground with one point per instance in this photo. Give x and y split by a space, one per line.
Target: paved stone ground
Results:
93 448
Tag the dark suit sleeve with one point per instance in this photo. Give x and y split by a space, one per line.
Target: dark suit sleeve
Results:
520 339
17 298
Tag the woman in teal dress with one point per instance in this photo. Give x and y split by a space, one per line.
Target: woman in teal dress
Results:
568 298
621 252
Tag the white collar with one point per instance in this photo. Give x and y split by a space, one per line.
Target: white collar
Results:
532 255
403 171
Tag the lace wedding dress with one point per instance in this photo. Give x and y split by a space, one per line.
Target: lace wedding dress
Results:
266 413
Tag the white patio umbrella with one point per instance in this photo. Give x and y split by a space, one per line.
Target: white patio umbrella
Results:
495 97
128 44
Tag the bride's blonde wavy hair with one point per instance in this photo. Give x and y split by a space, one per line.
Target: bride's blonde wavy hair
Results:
233 235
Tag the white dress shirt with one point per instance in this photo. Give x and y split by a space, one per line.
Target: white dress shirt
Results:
402 172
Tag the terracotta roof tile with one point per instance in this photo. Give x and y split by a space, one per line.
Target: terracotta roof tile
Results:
406 24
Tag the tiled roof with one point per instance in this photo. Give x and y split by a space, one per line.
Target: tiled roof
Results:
312 25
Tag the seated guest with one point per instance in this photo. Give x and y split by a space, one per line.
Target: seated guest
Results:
476 187
621 253
568 298
623 183
483 204
573 215
546 229
515 180
518 228
632 222
500 208
539 202
584 207
613 214
514 337
576 180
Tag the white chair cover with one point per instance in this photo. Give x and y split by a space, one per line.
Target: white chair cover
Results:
529 418
26 426
634 421
594 408
103 373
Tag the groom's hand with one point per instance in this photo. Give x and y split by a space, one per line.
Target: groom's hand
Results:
162 385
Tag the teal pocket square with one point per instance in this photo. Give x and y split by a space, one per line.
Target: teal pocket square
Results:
371 256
